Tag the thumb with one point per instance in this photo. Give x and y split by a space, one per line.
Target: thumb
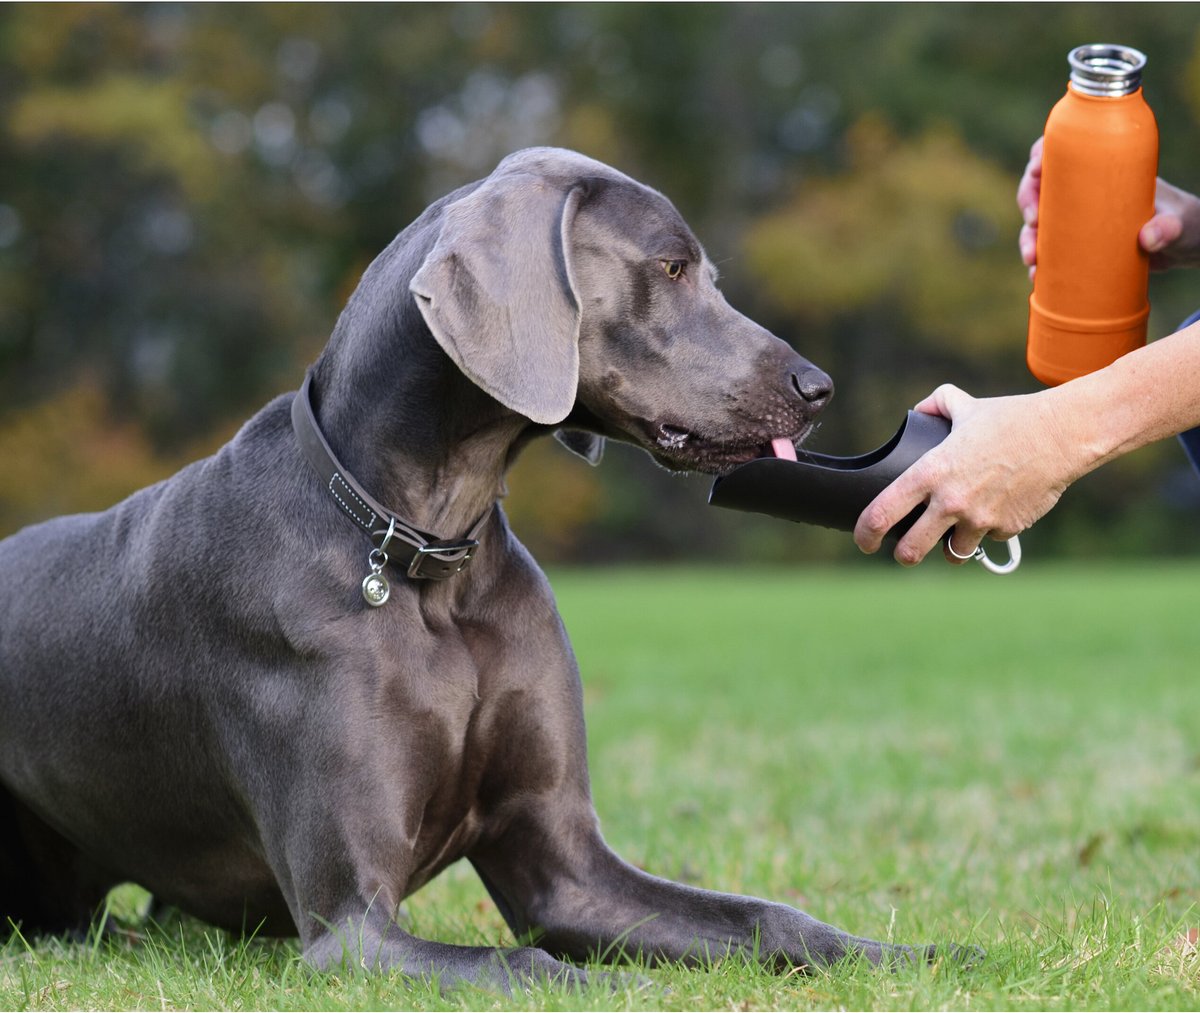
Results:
1160 232
947 401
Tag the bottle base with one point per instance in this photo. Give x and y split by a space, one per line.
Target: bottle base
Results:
1062 348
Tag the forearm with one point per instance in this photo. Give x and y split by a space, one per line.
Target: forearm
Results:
1148 395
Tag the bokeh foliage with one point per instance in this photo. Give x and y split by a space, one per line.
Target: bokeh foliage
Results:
188 193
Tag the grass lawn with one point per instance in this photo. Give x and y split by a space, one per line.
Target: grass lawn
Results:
923 756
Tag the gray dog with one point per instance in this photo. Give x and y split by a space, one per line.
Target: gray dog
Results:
279 704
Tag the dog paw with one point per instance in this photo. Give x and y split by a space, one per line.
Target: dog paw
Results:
966 958
526 968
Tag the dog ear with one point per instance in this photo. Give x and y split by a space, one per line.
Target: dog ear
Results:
589 446
496 292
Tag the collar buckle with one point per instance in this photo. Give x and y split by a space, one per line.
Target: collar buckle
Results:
432 558
442 559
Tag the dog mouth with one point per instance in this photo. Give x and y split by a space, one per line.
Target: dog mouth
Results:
672 438
683 449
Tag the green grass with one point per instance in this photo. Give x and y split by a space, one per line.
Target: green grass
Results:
922 756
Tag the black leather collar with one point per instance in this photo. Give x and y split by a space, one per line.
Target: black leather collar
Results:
422 555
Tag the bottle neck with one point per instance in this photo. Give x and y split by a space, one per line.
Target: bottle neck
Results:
1108 96
1105 71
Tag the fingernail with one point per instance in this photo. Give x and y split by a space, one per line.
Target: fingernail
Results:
1151 239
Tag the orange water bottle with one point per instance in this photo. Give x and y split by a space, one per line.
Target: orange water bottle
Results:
1099 161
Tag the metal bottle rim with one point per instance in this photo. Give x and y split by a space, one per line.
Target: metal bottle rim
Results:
1106 70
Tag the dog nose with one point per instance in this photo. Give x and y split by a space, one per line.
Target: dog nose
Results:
814 385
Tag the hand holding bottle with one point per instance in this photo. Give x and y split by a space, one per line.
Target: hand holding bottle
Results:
1171 237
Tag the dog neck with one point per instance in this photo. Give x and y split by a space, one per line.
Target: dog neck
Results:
417 434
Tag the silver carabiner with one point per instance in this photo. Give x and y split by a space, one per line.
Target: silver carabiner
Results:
1014 558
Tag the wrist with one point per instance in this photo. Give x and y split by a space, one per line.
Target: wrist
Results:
1147 395
1077 427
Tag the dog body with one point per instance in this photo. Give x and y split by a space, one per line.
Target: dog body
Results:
194 694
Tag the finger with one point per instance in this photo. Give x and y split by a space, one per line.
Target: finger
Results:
1031 184
945 401
1027 243
928 405
1000 535
1160 232
921 537
1028 191
960 543
886 510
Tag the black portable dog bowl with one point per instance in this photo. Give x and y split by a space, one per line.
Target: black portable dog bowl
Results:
833 491
825 490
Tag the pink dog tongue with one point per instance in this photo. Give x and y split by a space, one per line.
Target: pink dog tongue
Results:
783 448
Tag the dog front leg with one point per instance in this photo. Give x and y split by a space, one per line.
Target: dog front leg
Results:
373 941
582 901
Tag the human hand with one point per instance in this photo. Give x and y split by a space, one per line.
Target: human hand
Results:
1003 466
1171 237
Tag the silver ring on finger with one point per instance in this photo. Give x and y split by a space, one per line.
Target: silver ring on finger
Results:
957 555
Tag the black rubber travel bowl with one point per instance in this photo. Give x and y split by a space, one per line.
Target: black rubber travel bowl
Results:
825 490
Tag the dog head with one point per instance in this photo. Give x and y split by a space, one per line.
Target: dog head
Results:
577 296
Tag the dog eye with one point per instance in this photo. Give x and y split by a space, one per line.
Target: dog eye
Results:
674 268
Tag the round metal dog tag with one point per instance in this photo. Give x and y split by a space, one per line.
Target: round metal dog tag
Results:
375 589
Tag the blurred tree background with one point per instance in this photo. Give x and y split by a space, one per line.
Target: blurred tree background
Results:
188 193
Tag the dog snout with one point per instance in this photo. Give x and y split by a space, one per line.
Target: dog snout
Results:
814 385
